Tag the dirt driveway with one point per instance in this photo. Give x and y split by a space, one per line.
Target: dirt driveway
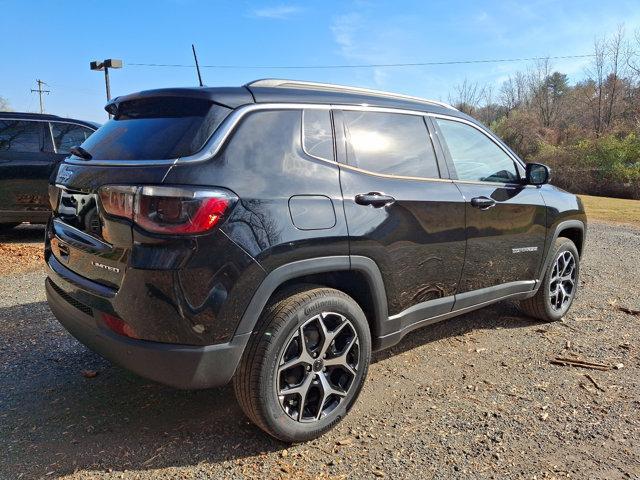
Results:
473 397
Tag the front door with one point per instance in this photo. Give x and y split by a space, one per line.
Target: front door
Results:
401 212
505 219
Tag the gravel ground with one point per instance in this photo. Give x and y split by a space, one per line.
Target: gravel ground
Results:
21 249
472 397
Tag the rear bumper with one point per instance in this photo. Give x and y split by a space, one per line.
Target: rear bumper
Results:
180 366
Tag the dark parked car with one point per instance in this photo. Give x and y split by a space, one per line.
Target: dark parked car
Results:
31 147
278 233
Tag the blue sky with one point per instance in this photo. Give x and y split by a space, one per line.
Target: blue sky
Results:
55 41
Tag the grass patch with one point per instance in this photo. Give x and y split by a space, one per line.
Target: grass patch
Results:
612 209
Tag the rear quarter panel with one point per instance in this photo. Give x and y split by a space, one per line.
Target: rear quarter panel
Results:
265 166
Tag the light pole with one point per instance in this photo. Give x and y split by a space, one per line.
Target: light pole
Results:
106 65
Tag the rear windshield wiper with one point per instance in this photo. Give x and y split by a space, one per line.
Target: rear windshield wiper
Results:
80 152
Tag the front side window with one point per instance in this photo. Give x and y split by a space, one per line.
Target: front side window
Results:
475 156
68 135
19 136
317 137
390 144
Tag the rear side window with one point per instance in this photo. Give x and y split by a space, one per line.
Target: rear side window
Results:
20 136
317 136
390 143
156 129
67 135
475 156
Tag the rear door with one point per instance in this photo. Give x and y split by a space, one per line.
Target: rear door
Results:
505 219
25 166
401 211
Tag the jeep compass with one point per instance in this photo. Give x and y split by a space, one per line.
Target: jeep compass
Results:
275 234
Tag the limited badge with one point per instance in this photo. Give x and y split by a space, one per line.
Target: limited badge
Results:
106 267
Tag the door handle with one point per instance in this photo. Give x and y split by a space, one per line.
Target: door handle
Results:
375 199
483 203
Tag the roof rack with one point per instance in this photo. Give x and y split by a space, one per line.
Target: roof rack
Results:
331 87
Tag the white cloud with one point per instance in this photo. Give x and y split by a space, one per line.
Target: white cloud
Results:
481 17
364 40
278 12
344 29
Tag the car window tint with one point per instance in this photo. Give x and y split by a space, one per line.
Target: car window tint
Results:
317 137
474 155
390 143
156 128
67 135
19 136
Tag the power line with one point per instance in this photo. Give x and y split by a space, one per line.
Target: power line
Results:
371 65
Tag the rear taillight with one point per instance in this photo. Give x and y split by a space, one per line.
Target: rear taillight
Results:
169 210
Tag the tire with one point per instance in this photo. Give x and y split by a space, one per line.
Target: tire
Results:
5 227
298 315
545 305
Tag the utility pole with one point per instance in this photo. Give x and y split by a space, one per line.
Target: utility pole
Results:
106 65
40 92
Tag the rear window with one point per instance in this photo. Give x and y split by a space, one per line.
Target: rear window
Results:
156 129
68 135
317 136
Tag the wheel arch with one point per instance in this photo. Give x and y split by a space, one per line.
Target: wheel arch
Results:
574 230
575 233
357 276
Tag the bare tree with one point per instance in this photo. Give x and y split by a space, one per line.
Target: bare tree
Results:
468 96
633 61
514 92
632 90
611 57
4 105
618 59
548 89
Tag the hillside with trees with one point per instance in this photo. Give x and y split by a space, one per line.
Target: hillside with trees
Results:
587 132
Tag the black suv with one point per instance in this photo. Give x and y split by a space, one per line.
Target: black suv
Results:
278 233
31 146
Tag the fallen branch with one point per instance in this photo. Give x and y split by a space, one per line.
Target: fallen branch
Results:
630 311
574 362
595 384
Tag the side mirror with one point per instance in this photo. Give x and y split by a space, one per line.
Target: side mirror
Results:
537 174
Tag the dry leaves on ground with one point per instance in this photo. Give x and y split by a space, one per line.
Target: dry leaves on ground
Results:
16 258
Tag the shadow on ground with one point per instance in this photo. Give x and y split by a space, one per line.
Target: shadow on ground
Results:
53 419
501 315
25 233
